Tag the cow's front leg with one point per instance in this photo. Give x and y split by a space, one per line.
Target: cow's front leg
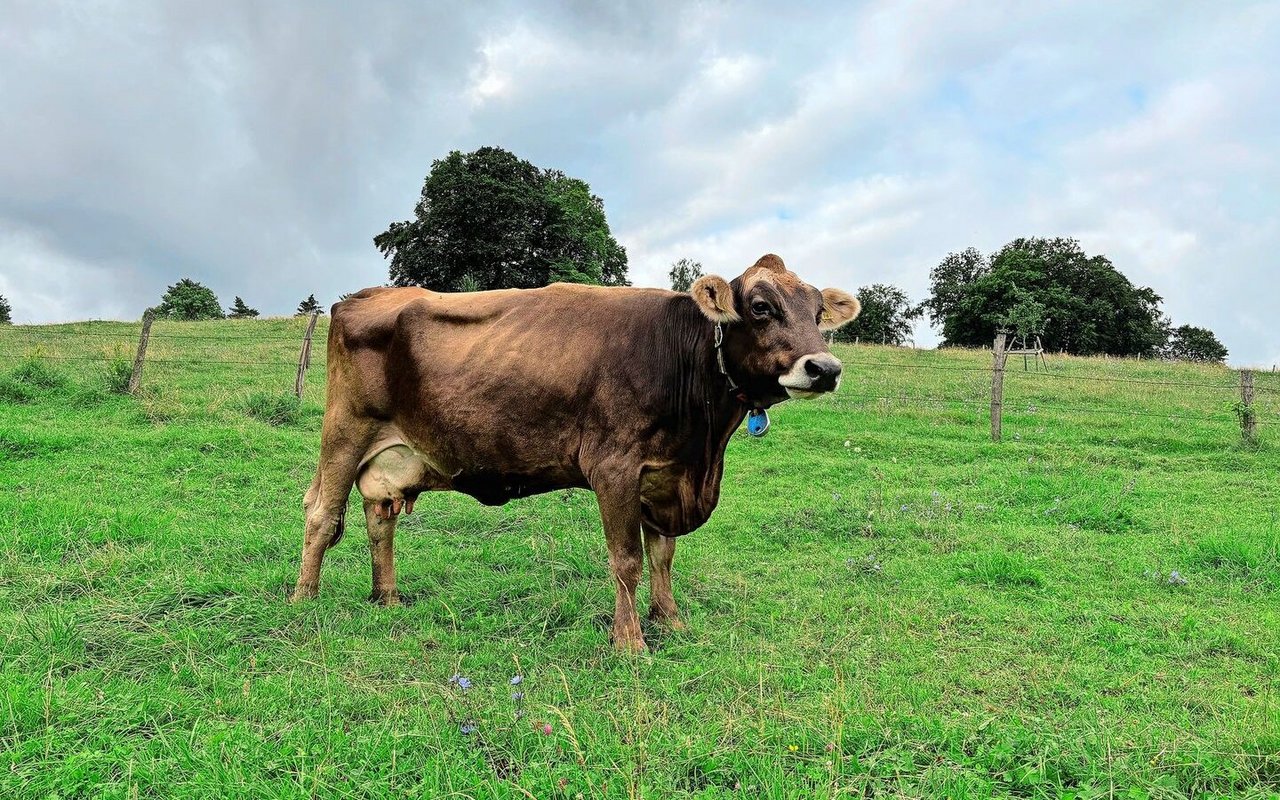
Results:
662 603
620 513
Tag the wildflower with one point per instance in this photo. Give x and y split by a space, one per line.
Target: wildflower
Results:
467 728
517 680
1176 579
462 682
546 729
831 746
517 695
792 748
904 508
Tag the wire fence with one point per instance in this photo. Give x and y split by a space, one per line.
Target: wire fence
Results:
1061 386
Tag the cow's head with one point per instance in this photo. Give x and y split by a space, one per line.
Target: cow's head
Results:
773 323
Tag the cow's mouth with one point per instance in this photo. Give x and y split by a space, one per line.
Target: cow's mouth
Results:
802 394
812 375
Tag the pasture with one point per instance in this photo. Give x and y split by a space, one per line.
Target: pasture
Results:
885 604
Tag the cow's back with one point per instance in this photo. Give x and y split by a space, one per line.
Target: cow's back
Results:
511 382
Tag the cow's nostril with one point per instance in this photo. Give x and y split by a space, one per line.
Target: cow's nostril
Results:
822 367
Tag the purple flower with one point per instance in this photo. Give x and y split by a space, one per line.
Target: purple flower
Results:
467 728
517 695
460 681
1176 579
517 680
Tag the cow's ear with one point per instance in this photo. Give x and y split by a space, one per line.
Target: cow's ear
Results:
714 297
838 307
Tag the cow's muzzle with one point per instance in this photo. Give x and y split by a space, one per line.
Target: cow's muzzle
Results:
812 375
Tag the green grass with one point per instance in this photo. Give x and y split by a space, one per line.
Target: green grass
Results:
885 604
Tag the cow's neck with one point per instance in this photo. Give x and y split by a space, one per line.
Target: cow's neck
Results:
703 398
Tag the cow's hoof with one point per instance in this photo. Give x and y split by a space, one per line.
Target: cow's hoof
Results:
669 619
302 593
388 599
633 645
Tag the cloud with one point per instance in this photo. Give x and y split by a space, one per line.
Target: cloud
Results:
259 148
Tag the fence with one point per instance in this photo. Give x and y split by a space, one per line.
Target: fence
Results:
1242 401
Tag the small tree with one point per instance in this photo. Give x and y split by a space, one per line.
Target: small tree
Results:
887 317
1026 317
6 311
189 300
241 311
683 273
309 306
1189 343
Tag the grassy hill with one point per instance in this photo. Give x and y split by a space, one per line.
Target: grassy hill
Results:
886 603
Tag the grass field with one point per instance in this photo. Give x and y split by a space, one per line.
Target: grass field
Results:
885 604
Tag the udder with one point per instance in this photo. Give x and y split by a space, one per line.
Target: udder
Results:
393 479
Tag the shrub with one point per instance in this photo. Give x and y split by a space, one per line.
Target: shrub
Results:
35 371
117 371
273 408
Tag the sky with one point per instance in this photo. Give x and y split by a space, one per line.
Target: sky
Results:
259 146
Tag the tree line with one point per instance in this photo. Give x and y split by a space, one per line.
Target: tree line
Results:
488 219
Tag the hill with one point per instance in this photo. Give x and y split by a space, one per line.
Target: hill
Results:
886 602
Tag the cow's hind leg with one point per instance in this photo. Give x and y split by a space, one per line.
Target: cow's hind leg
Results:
662 603
325 506
381 516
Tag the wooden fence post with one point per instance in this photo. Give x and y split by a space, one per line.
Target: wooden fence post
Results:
135 377
304 357
997 386
1248 420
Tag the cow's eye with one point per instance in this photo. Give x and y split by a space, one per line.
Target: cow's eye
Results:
760 308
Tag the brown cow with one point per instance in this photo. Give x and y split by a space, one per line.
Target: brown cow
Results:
632 393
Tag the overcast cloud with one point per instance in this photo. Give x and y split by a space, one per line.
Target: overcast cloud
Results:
259 146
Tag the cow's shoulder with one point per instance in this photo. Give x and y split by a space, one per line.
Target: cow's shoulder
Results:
368 318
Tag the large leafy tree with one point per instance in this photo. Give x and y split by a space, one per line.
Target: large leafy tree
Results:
189 300
490 220
1078 303
683 273
1190 343
887 317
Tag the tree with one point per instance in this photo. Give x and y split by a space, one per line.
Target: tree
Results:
949 279
683 273
6 311
1026 316
189 300
309 306
241 311
490 220
1189 343
1081 303
887 317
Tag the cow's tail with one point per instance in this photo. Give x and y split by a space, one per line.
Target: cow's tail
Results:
340 528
